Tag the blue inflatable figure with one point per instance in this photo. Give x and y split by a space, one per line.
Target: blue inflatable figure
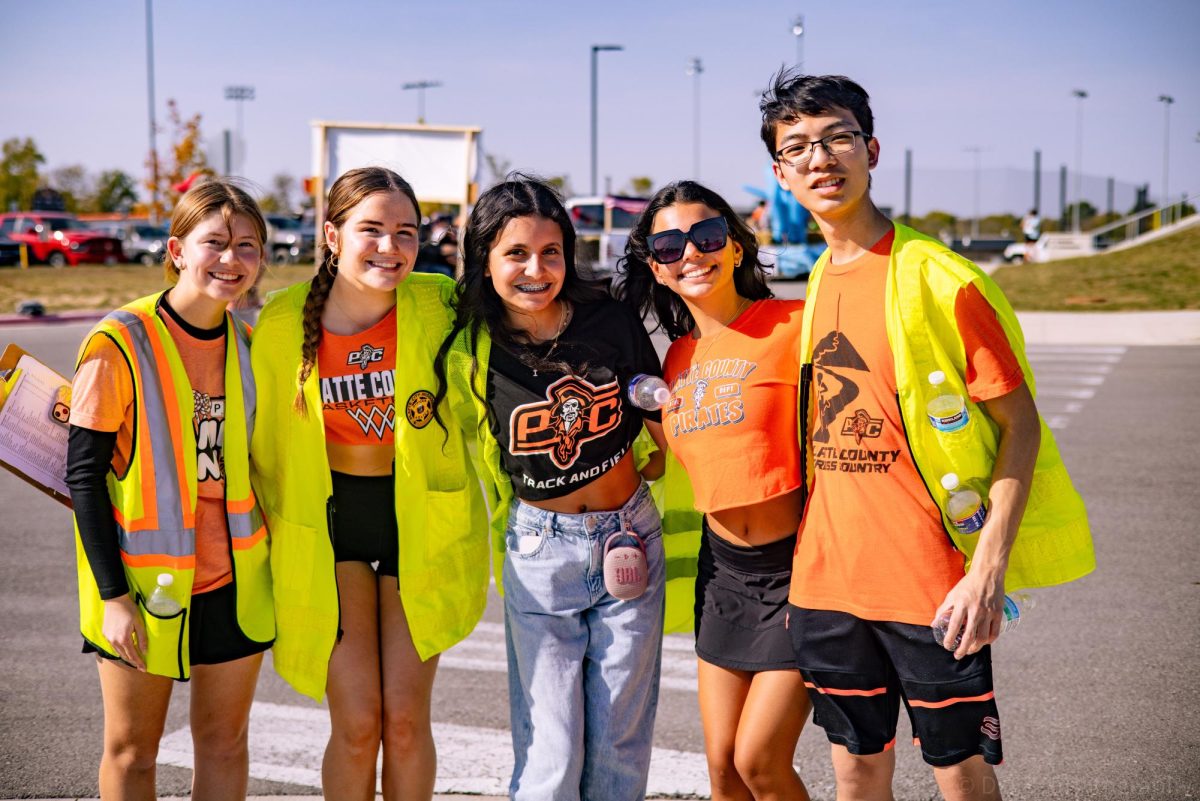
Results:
793 256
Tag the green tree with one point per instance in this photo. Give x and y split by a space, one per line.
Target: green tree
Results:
19 160
75 186
279 199
497 165
640 185
115 191
935 222
561 184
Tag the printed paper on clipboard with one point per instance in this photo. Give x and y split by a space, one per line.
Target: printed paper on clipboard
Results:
35 403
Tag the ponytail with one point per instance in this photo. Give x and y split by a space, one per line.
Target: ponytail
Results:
314 307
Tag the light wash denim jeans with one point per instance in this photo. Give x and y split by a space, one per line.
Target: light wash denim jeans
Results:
583 667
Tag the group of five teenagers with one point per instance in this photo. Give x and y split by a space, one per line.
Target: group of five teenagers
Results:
377 552
734 370
548 360
163 411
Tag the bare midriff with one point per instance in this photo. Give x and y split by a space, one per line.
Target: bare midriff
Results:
610 491
360 460
759 523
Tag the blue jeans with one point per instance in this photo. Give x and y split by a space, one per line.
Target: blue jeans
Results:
583 667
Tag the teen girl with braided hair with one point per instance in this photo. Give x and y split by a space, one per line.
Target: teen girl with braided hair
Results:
379 552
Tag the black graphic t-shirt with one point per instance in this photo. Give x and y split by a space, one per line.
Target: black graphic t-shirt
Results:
560 431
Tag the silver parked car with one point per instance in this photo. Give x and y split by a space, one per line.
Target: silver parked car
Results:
141 241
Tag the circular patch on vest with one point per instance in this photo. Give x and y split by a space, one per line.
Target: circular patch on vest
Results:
419 408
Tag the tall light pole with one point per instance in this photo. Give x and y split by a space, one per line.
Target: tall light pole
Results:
798 32
695 67
976 150
239 95
596 49
153 126
1080 95
1166 100
421 86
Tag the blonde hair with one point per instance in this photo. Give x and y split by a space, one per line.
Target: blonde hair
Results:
214 195
350 189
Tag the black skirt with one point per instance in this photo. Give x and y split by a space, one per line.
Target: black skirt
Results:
742 603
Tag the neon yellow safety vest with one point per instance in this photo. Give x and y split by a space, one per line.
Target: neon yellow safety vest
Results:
1054 543
467 377
154 502
441 520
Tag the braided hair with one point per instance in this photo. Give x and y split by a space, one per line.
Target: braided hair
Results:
350 189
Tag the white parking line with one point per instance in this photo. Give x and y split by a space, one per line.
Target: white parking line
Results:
1069 375
287 744
484 650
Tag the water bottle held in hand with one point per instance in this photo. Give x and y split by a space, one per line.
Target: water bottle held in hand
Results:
161 602
947 412
1016 606
648 392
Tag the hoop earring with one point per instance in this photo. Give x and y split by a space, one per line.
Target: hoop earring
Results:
332 264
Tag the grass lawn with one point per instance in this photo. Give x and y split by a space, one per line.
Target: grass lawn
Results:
1164 274
100 287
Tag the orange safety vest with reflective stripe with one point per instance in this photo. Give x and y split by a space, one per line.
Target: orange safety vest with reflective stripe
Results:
154 502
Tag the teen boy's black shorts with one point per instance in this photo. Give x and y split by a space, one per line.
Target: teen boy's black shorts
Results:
214 636
363 521
858 671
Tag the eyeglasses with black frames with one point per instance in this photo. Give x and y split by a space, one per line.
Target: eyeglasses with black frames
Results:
836 144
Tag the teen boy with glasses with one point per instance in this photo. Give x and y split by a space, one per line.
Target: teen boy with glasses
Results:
878 557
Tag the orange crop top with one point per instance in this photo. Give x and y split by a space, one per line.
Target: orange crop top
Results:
358 384
731 420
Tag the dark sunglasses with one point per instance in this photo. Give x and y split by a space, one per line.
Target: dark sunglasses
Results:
708 236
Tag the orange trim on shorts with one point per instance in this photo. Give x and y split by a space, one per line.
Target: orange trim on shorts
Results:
828 691
891 744
950 701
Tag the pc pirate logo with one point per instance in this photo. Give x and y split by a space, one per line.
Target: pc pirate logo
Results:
574 412
834 357
861 425
364 357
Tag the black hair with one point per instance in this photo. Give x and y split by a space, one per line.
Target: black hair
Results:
640 291
794 95
476 302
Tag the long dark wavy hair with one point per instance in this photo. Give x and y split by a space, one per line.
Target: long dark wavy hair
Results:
646 296
476 302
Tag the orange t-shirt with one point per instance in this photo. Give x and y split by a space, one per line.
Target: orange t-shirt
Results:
358 384
733 401
872 542
102 395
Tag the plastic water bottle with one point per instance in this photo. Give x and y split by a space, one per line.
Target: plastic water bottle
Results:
1016 607
161 602
648 392
965 506
947 411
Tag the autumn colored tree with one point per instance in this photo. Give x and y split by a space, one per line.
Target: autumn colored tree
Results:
187 157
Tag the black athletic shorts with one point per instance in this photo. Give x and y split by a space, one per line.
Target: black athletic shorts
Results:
858 671
214 636
741 603
362 522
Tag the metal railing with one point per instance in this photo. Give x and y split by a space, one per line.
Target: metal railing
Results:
1144 222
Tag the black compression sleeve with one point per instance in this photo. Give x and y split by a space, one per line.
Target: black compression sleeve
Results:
89 456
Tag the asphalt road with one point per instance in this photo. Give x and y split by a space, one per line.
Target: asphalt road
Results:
1097 690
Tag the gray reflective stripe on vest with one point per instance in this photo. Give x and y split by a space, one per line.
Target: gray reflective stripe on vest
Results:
245 524
162 467
249 390
157 542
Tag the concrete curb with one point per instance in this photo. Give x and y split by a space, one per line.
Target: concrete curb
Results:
1111 328
82 316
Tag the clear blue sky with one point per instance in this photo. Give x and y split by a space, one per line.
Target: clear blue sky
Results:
944 76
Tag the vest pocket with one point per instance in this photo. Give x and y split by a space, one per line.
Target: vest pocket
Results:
166 645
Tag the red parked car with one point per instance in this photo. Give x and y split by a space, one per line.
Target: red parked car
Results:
58 239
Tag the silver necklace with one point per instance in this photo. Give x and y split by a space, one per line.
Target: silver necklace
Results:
563 320
712 340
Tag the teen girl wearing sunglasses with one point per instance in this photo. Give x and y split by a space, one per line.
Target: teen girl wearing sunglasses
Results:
733 369
548 359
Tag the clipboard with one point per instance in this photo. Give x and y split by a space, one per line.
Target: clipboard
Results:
35 404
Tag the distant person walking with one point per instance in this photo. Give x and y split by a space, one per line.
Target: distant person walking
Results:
1031 228
164 405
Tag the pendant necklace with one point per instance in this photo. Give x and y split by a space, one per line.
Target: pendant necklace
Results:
562 326
709 341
